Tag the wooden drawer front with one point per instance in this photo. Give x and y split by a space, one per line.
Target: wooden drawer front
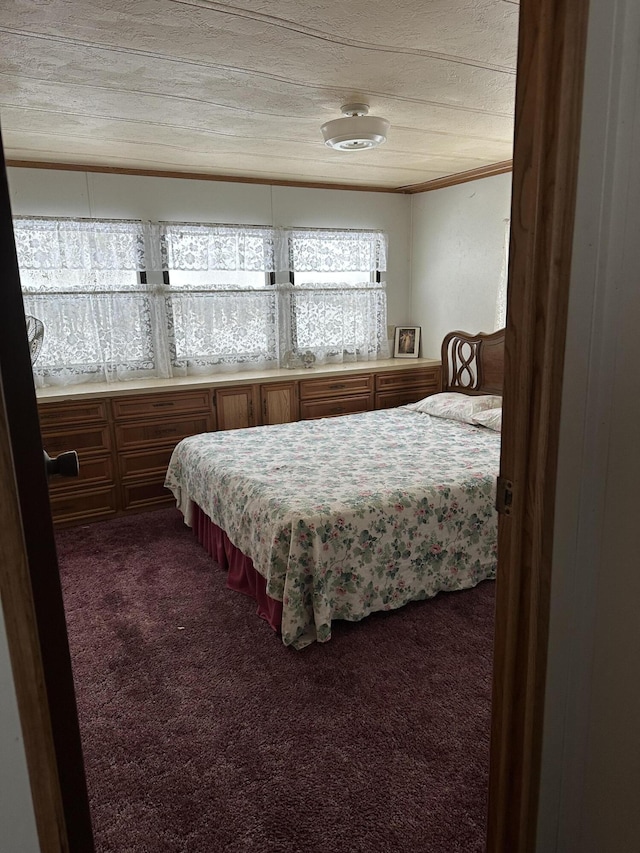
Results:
145 462
335 386
147 493
159 432
161 404
92 470
408 379
85 505
335 407
90 439
389 399
73 411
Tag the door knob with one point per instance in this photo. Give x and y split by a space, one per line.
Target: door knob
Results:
65 464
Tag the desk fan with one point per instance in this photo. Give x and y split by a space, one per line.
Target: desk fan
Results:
65 464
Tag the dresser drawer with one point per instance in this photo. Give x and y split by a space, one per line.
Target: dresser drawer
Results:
145 462
93 470
84 439
145 405
73 411
335 407
146 493
86 505
133 435
429 377
336 386
389 399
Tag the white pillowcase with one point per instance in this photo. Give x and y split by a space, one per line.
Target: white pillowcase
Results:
491 418
455 406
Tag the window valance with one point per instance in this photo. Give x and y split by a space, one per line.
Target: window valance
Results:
79 244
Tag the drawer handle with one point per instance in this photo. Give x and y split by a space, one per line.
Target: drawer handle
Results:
337 410
161 405
336 386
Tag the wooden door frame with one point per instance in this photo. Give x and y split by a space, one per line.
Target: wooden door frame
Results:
551 59
30 585
549 93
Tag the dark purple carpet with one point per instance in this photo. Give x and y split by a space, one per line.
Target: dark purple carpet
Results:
204 734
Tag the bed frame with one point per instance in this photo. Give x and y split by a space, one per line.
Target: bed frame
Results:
473 364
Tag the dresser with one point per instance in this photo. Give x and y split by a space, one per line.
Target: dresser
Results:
125 434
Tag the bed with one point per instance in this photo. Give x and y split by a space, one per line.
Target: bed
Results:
336 518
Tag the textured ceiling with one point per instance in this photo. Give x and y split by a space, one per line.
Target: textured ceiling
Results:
241 90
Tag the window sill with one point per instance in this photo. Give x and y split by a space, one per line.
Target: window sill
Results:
245 377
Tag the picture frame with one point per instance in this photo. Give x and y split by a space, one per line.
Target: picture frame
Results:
406 342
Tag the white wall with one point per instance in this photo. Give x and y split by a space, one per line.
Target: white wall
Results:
40 192
590 785
458 250
446 247
17 819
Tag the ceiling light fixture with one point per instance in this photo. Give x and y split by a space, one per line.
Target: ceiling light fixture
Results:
357 130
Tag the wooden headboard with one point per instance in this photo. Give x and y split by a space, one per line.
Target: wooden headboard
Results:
473 364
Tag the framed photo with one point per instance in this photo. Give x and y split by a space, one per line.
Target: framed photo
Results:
407 342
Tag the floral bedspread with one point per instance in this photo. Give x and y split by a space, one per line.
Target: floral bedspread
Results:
345 516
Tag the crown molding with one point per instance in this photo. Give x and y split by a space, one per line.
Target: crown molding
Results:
410 189
193 176
460 178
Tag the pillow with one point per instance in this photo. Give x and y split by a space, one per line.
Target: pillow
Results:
455 406
491 418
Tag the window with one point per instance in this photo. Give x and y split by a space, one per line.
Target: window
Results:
85 281
125 299
222 302
337 303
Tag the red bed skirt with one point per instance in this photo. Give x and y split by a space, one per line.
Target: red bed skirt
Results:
241 575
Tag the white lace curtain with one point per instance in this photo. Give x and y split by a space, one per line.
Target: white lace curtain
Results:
82 279
188 246
81 245
222 301
337 251
335 307
128 299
